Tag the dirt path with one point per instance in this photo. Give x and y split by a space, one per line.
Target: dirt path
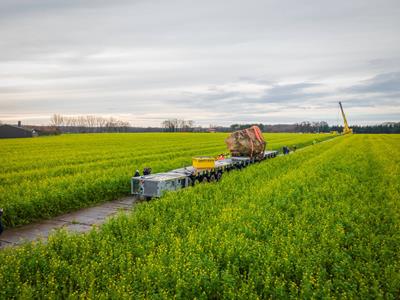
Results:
78 221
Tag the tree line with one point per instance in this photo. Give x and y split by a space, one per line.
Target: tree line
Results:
92 123
89 123
321 126
178 125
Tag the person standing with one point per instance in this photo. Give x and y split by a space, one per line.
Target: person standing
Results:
146 171
285 150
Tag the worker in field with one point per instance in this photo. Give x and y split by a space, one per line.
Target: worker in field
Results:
1 222
137 173
285 150
146 171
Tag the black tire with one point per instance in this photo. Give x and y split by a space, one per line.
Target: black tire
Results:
219 176
212 178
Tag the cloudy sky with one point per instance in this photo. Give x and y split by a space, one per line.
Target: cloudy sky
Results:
218 62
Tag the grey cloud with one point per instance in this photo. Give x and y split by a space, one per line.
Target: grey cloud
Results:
371 101
300 96
277 94
221 60
12 8
286 93
382 83
381 90
290 96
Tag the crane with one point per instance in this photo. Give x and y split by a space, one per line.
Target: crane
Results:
346 128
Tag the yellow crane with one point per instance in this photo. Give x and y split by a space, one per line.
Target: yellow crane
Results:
346 128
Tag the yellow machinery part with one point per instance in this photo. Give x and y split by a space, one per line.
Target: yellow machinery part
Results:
203 162
346 128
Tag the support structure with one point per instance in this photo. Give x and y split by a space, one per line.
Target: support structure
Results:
346 128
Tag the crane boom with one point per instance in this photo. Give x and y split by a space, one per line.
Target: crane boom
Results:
346 128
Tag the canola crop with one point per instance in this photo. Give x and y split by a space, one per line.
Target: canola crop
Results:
320 223
47 176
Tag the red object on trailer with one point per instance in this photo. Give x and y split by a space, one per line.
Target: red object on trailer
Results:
247 142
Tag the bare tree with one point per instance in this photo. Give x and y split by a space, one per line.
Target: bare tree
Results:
81 123
100 123
190 124
170 125
74 124
174 125
57 120
91 122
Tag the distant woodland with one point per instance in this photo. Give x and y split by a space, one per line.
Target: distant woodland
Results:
312 127
97 124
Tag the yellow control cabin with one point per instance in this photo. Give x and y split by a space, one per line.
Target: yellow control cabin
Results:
203 162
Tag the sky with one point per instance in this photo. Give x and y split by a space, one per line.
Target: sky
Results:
214 62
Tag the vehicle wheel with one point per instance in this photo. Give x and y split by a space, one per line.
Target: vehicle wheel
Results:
196 182
219 175
212 178
204 180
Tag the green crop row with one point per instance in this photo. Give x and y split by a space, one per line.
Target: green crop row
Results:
45 177
321 223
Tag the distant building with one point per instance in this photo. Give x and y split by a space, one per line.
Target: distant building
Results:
43 130
10 131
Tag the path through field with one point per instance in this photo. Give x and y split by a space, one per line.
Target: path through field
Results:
79 221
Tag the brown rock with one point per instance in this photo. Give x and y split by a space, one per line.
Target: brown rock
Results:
247 142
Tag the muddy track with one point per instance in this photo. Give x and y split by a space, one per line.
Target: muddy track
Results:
79 221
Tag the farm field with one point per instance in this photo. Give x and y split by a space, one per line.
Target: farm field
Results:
44 177
323 222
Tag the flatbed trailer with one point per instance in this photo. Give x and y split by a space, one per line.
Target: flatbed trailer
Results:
155 185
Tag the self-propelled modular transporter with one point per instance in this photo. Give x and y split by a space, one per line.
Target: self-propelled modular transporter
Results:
204 169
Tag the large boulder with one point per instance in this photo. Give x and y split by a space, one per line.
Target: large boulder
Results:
247 142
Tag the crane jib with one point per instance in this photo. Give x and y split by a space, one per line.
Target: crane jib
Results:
346 128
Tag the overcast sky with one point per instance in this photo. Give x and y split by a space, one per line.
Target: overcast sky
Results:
218 62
